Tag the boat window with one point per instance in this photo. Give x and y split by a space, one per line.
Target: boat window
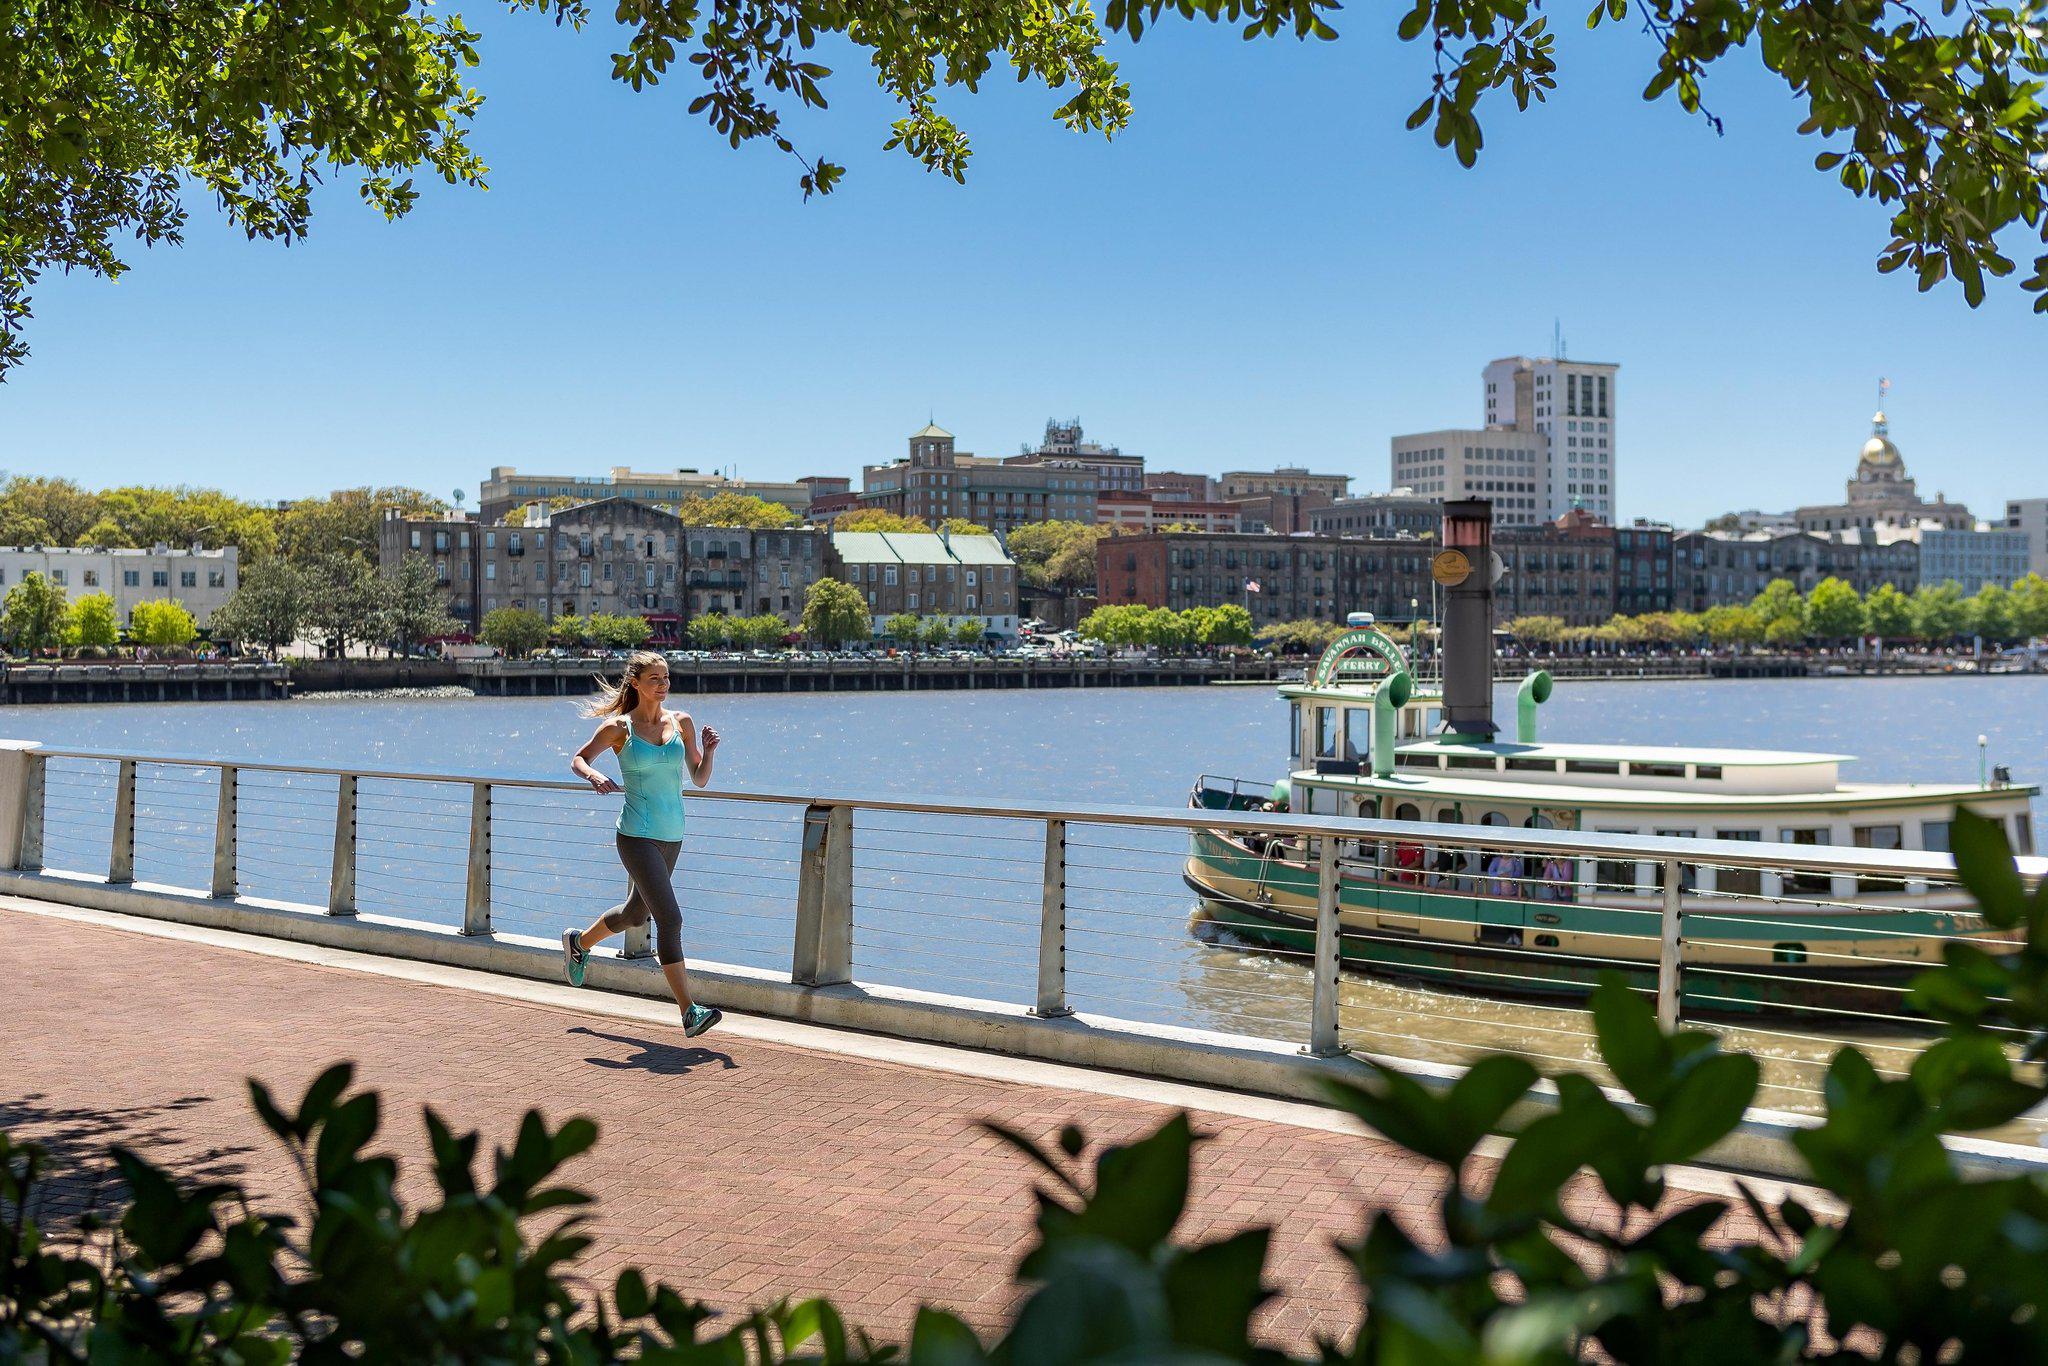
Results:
1357 732
1879 837
1657 770
1495 818
1739 881
1432 720
1417 760
1532 765
1592 766
1788 953
1615 874
1688 876
1807 883
1445 865
1294 730
1484 761
2022 834
1934 836
1708 772
1546 941
1407 811
1326 732
1552 877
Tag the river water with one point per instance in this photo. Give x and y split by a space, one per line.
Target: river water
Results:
946 904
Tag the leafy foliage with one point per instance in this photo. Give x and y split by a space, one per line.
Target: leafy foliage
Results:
835 612
267 608
94 622
163 621
411 606
35 614
876 519
517 631
735 510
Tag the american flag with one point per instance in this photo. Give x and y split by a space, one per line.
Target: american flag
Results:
1251 586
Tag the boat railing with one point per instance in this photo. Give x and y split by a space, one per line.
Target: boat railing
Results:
1046 907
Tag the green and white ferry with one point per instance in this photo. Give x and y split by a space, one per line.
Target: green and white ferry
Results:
1367 740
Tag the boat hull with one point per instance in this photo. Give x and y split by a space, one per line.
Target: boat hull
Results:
1848 967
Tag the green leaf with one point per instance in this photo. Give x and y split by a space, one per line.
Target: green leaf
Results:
938 1338
1704 1107
1985 864
630 1293
1631 1044
1212 1292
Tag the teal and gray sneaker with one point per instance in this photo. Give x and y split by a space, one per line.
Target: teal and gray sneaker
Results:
574 957
697 1019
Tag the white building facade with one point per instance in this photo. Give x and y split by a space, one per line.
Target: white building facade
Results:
1571 405
2029 516
1509 467
200 580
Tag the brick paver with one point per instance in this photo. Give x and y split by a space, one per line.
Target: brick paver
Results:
737 1169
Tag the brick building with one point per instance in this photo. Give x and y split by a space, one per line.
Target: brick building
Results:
1064 444
1296 577
929 574
1400 513
1561 569
937 481
1711 568
1643 576
1148 510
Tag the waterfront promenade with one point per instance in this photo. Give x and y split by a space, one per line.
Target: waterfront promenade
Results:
767 1159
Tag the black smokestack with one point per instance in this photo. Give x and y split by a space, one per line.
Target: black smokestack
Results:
1465 568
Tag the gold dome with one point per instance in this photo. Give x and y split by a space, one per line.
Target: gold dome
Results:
1879 450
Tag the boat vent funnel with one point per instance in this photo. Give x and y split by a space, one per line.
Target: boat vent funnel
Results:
1465 569
1533 693
1387 700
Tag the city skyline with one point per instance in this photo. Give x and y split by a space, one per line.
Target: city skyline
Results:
632 293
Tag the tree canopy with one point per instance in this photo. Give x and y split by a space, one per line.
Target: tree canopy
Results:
116 113
734 509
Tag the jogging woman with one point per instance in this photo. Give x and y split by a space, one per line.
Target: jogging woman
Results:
654 745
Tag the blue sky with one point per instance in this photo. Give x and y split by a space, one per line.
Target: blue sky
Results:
1263 269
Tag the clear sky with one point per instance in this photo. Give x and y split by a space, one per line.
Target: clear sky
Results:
1264 269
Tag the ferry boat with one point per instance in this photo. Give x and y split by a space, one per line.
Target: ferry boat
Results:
1369 740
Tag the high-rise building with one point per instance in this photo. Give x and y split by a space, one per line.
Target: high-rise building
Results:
2030 515
1507 467
1571 405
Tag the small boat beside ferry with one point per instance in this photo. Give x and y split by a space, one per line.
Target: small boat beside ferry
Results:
1369 739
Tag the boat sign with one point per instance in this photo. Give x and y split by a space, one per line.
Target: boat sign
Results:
1358 655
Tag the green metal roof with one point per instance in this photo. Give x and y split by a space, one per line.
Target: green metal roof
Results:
864 547
978 550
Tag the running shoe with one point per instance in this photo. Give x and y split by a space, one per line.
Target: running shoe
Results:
574 957
697 1019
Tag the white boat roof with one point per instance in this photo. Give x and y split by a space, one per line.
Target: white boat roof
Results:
1655 754
1460 787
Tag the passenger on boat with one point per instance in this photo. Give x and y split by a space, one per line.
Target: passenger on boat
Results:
1407 862
1558 877
1504 871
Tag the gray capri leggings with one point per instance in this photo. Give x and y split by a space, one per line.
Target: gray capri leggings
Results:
649 864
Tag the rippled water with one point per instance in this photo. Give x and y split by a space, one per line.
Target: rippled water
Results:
946 904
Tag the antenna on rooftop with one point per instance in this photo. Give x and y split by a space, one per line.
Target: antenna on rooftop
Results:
1557 348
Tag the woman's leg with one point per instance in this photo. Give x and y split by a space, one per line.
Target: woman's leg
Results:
651 864
624 916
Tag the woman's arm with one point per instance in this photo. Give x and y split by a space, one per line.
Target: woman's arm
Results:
698 753
605 738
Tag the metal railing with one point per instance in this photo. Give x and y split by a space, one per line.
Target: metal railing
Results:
1462 939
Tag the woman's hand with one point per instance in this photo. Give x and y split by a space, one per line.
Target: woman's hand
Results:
602 785
710 739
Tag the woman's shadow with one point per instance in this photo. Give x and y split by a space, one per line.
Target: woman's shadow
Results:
662 1059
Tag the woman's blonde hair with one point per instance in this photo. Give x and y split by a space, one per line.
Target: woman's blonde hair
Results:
617 699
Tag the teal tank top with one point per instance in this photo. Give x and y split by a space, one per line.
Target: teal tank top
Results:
653 778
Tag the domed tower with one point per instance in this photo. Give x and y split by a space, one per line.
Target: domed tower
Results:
1880 472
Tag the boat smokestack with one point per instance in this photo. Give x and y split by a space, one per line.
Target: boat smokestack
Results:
1465 569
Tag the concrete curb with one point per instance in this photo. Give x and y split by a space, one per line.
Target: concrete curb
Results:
1761 1145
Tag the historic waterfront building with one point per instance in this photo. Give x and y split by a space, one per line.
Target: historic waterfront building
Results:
1561 569
198 579
937 481
1713 568
2029 517
929 574
1882 493
1276 578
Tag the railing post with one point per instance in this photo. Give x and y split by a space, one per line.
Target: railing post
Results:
121 858
824 899
341 879
224 850
476 902
1322 1025
1052 926
1668 945
639 941
21 806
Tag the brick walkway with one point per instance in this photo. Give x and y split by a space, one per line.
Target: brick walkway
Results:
739 1170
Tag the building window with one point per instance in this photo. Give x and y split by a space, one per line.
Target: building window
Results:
158 578
131 578
216 578
187 578
92 578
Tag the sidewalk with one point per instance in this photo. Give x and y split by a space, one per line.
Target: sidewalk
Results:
739 1167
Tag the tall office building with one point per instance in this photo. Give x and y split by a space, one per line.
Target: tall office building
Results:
1571 405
